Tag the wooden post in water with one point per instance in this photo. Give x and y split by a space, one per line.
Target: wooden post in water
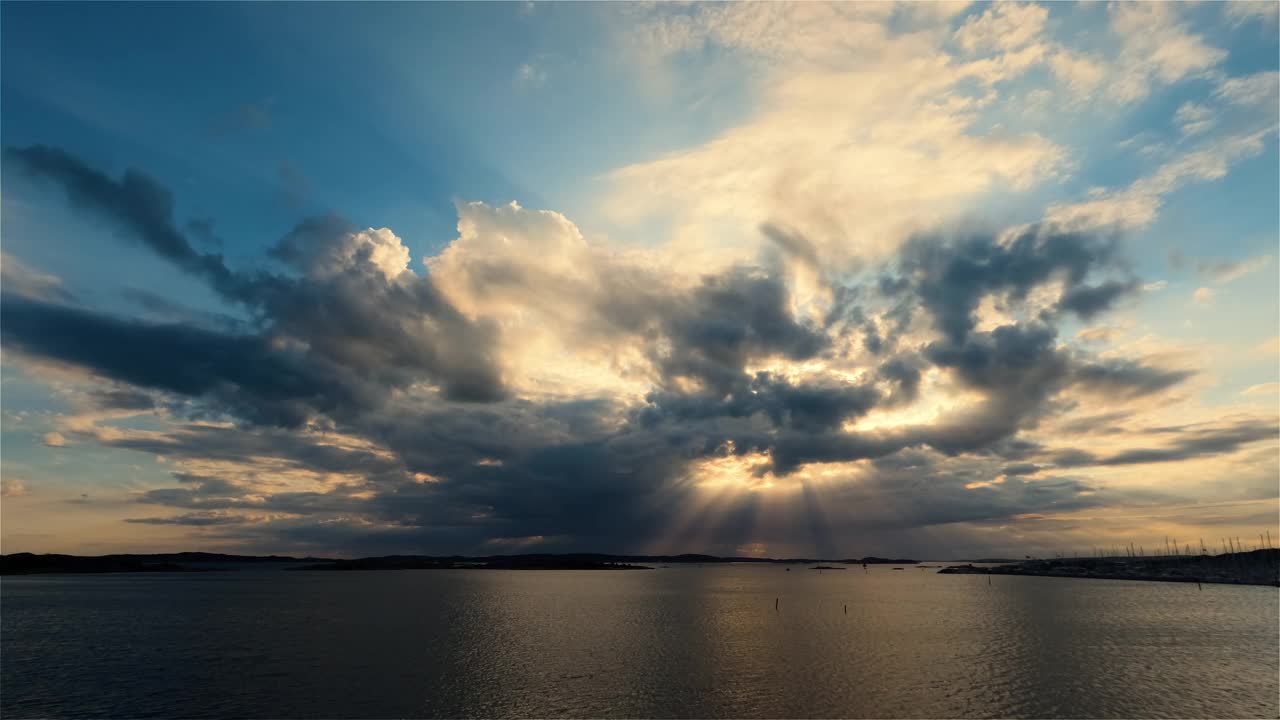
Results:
775 604
846 608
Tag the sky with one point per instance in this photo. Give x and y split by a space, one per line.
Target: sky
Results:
826 280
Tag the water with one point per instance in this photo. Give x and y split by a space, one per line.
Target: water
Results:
678 642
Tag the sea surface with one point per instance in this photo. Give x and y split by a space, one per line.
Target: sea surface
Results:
670 642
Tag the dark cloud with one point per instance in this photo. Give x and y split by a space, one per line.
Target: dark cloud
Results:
1086 301
1126 378
302 451
1099 423
190 519
141 207
728 321
950 278
121 399
162 310
359 326
904 372
1020 469
1187 443
793 245
245 375
1200 442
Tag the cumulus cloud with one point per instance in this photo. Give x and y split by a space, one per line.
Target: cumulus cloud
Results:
810 338
53 439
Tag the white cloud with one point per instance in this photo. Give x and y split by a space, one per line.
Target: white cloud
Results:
1155 48
1202 296
888 144
534 274
380 248
1260 89
1242 11
18 278
1081 73
1137 205
1004 27
1262 389
53 439
1225 271
1193 118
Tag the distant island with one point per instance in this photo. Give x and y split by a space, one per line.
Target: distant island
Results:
31 564
1257 567
500 562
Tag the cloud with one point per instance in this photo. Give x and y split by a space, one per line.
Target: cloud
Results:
1202 296
53 439
1259 89
1224 271
530 75
1156 47
191 520
951 279
1261 389
1137 205
539 383
891 143
1245 11
1188 443
354 305
1193 118
17 278
139 205
1003 27
1081 73
13 487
